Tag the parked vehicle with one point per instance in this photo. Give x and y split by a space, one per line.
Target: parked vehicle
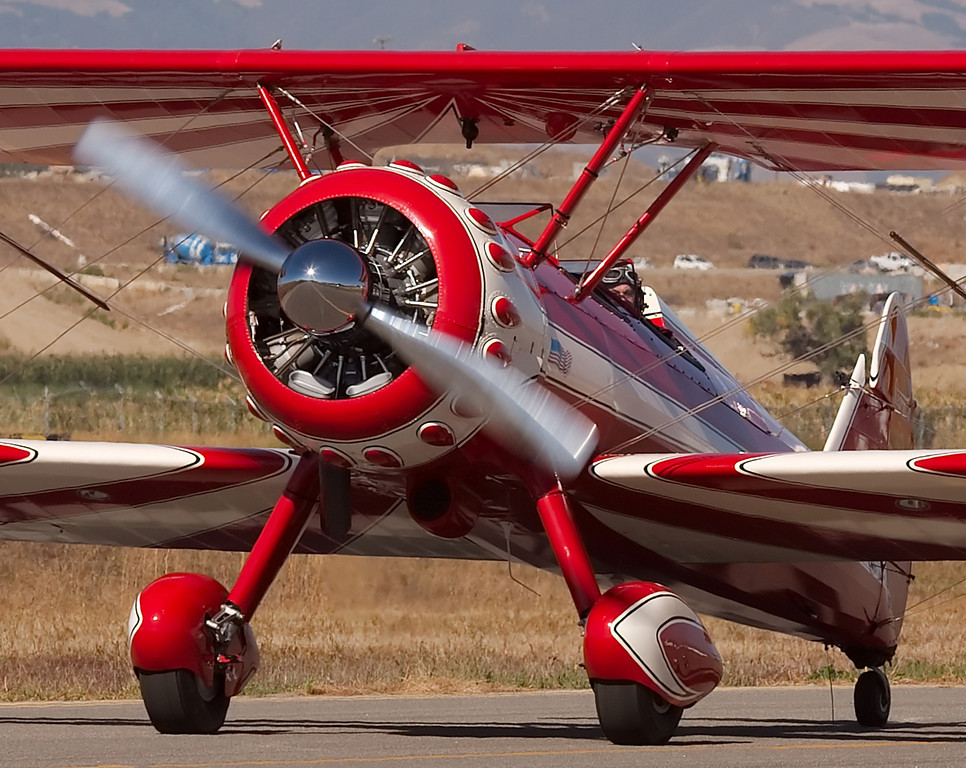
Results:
764 261
691 261
892 262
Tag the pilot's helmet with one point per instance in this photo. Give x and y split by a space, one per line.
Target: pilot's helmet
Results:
622 273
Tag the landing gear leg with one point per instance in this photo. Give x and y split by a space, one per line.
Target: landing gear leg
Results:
872 698
636 703
278 538
191 643
557 518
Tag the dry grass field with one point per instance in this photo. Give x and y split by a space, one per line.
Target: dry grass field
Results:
355 625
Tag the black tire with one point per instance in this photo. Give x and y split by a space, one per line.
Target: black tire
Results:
629 713
872 699
177 702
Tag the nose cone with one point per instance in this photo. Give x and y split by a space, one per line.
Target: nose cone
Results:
322 286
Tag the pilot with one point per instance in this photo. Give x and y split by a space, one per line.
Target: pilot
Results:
623 281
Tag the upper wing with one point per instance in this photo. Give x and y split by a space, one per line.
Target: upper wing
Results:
791 507
805 111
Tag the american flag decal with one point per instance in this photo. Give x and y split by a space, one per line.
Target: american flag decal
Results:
559 356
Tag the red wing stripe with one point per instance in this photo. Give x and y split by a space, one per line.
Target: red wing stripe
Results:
15 454
202 471
951 464
874 482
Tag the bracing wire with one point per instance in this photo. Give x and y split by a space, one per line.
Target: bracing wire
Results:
131 316
739 318
551 142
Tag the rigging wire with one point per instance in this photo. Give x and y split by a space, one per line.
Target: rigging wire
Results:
551 142
326 125
917 607
134 318
603 222
627 199
721 397
183 127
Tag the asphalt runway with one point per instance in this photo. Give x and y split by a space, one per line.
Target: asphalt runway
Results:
746 727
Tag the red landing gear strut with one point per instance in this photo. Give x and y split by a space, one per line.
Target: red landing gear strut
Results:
646 652
191 643
278 538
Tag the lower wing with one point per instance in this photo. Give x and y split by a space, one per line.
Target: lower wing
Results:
143 495
790 507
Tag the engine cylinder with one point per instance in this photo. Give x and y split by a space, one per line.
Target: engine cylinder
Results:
320 385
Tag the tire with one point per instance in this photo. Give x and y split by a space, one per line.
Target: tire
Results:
872 699
630 713
177 702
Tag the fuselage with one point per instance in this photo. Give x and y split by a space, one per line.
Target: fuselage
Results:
425 461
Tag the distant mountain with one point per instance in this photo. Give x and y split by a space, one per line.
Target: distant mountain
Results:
488 24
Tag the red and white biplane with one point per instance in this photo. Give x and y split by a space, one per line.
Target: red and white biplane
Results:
448 389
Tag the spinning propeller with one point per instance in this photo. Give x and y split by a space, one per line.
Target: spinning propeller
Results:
323 286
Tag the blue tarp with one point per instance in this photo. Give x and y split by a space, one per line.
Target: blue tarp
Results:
197 249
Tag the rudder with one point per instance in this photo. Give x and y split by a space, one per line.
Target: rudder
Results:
878 413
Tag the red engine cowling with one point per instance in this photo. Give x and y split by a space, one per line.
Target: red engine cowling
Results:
431 256
642 632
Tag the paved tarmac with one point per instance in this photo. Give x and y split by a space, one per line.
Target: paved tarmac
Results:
746 727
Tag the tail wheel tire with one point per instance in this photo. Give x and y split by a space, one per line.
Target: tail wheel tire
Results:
872 699
630 713
177 702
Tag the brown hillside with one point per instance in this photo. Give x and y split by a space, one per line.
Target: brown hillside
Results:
725 223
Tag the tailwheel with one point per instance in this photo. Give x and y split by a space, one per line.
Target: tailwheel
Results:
872 698
178 702
630 713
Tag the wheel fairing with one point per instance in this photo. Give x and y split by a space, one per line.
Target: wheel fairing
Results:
642 632
168 625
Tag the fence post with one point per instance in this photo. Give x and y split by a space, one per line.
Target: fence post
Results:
157 393
120 407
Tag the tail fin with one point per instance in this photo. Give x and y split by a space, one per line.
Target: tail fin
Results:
879 416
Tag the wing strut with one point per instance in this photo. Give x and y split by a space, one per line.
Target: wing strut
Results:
590 282
632 111
278 120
